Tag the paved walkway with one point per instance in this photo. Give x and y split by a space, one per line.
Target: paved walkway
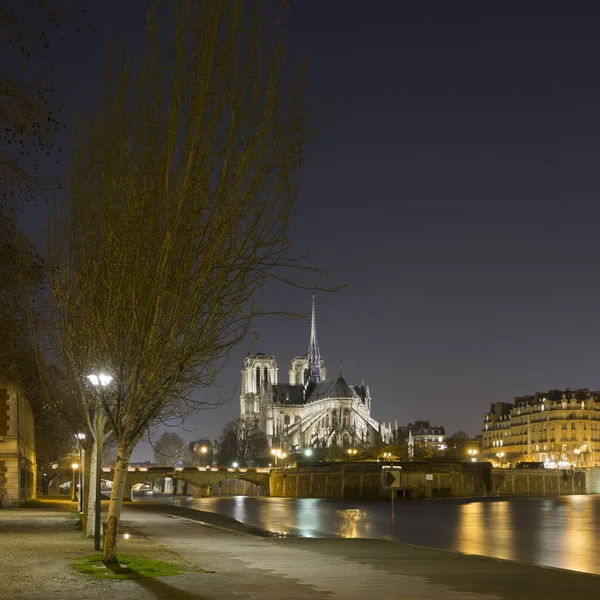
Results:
37 549
252 567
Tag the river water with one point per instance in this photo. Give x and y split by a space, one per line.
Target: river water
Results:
559 531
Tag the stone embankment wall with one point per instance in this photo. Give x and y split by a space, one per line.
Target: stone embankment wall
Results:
424 480
539 482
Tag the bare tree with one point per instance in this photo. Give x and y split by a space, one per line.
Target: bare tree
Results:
169 449
242 442
29 107
182 192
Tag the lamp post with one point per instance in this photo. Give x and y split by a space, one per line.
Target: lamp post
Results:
99 381
500 456
472 453
278 454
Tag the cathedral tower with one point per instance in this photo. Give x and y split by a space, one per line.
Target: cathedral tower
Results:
314 354
258 371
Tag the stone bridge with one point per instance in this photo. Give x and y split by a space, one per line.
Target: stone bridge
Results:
200 477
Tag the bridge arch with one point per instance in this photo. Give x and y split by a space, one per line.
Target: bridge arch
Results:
201 477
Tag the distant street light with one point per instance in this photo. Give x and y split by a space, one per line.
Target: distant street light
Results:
98 380
278 454
308 452
235 465
204 450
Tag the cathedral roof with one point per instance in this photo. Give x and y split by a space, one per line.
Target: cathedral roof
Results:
336 388
286 393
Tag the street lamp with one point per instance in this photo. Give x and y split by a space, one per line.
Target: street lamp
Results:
74 466
308 452
577 452
500 456
472 452
203 450
235 465
98 380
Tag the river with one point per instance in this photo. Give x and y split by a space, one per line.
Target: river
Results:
557 531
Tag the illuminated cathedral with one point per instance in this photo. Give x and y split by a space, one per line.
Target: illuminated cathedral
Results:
311 411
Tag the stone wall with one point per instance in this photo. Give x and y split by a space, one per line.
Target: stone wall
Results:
425 480
539 482
592 480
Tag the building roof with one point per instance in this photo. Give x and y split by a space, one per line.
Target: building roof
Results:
335 387
286 393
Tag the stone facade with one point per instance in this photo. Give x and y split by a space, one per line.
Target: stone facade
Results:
310 411
17 447
558 428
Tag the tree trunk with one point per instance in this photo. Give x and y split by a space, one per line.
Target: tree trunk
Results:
87 463
109 551
90 511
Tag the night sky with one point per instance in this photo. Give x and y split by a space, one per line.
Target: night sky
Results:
455 190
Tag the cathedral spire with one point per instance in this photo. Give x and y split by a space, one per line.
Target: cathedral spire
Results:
314 355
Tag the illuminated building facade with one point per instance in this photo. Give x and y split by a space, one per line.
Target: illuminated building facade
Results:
558 428
17 447
310 411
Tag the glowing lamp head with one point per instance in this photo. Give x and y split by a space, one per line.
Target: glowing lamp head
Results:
74 466
100 379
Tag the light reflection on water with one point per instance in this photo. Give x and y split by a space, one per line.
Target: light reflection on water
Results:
558 531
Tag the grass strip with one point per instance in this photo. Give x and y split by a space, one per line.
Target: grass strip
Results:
129 567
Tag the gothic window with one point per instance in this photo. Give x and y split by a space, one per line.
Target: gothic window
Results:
333 418
266 375
296 418
305 375
286 420
257 378
346 418
327 420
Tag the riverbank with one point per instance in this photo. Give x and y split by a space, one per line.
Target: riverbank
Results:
38 546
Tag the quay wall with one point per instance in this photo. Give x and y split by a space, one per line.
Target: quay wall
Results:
429 480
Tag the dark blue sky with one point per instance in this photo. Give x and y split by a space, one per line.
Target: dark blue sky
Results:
455 190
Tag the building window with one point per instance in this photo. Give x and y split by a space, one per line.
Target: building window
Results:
286 420
564 447
564 405
572 425
266 374
346 418
564 425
